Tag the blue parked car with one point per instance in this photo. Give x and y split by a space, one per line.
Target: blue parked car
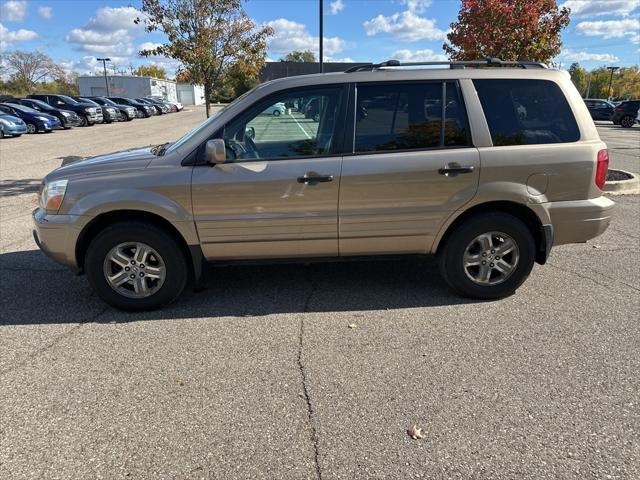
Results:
11 126
36 121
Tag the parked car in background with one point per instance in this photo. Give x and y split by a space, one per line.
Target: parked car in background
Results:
164 106
67 118
312 109
88 114
178 105
599 109
109 114
625 113
276 109
11 126
143 111
157 108
127 112
36 121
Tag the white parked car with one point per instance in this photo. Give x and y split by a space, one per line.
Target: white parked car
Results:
276 109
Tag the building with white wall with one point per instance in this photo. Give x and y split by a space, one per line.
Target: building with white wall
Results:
128 86
190 94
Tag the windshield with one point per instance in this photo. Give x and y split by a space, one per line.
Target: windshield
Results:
22 108
41 104
86 100
182 140
67 99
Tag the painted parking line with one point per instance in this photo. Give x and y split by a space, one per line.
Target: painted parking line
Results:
298 123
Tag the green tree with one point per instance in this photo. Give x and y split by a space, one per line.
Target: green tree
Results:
578 77
299 56
208 37
507 29
150 71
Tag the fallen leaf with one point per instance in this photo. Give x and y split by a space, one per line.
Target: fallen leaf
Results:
415 432
352 325
595 246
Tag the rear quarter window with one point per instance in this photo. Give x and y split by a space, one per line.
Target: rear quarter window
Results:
526 112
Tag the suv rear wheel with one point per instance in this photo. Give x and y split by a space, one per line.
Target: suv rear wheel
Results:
136 266
488 256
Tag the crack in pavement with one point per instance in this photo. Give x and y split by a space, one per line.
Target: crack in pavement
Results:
586 277
55 341
305 390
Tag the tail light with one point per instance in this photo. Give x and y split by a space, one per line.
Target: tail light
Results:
602 168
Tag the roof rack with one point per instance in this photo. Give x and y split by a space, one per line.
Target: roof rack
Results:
453 65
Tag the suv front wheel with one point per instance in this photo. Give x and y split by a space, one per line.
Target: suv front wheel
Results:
627 121
136 266
488 256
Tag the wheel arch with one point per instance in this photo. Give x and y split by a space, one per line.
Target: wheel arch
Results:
192 253
519 210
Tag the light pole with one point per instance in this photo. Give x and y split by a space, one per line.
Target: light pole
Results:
321 35
612 69
104 68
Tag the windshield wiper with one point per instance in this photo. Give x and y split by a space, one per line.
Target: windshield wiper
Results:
159 150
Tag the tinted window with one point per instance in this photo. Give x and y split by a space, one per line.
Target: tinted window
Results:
408 116
525 112
299 123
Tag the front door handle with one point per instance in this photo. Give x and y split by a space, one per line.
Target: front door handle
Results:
313 178
453 169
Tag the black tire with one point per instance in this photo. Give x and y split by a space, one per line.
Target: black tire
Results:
1 133
83 121
276 113
167 247
316 117
31 128
451 255
627 121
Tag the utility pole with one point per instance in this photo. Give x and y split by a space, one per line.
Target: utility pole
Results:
612 69
321 35
104 68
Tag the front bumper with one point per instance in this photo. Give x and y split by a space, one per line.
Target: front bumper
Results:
57 235
95 118
581 220
14 129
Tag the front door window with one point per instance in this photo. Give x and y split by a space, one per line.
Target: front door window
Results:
296 124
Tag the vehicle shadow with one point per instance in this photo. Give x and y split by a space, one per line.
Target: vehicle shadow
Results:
12 188
35 290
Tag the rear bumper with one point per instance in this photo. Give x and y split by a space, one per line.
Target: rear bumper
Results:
579 221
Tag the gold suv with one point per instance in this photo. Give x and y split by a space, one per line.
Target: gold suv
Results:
488 168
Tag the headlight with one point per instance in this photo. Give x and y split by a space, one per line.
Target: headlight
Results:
6 122
53 194
66 114
90 110
39 117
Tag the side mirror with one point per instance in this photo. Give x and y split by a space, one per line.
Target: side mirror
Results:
250 132
215 151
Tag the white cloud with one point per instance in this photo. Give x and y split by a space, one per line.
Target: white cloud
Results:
568 55
426 55
336 7
609 28
13 10
109 32
601 7
289 36
406 26
9 37
45 12
417 6
148 46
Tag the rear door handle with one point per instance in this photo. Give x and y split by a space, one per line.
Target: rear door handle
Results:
312 178
454 169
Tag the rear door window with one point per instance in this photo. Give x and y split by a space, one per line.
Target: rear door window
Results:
526 112
409 116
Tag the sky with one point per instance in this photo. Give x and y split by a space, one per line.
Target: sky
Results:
76 32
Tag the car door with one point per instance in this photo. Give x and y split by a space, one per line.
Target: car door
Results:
408 170
277 193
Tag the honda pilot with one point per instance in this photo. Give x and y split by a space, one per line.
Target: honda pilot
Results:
487 165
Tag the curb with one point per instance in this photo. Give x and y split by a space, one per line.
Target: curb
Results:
623 187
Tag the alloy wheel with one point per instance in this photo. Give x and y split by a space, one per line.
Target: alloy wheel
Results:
134 270
31 128
491 258
627 121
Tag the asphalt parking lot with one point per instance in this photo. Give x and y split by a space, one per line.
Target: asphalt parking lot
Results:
315 371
